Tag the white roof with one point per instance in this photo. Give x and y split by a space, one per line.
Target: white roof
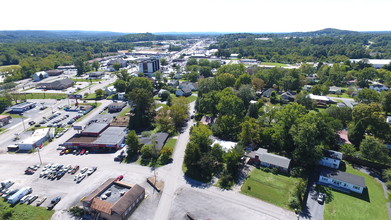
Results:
374 61
36 136
227 145
318 97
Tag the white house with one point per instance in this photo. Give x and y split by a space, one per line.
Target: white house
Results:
38 76
388 120
110 90
331 159
342 180
121 96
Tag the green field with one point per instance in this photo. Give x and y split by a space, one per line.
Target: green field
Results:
269 187
171 143
44 96
25 212
274 64
189 99
9 68
343 95
340 205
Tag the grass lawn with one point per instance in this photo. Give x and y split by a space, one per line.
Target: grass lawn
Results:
355 206
91 96
269 187
12 115
124 111
45 96
188 99
171 143
28 212
9 68
273 64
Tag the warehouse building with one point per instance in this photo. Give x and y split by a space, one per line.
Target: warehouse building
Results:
57 85
99 137
114 200
37 138
22 107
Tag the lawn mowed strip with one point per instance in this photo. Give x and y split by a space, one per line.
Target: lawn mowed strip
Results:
355 206
44 96
22 211
269 187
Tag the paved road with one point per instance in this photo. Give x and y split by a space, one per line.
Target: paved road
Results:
171 181
315 209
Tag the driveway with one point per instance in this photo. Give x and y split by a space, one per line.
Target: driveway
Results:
314 210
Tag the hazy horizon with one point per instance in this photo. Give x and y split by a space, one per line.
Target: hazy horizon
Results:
250 16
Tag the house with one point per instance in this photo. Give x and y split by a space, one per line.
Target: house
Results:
121 96
388 120
4 120
116 106
288 96
319 98
110 90
335 90
263 158
341 180
192 86
379 87
56 85
307 88
234 56
186 91
207 120
267 93
331 159
173 83
114 200
54 72
158 140
95 75
38 76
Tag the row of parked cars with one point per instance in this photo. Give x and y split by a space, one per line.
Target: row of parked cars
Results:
31 169
24 196
84 173
57 171
74 152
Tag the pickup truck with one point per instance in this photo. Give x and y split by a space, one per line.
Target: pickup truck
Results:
54 202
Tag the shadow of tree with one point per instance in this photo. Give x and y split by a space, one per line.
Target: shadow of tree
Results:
197 183
305 213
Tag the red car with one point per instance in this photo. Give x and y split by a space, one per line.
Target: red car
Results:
83 151
120 177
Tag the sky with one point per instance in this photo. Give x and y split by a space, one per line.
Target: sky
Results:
142 16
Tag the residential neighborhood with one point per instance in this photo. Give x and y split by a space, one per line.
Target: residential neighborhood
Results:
195 125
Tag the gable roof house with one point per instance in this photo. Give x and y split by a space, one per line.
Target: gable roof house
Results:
267 93
288 96
379 87
341 180
158 139
331 159
263 158
185 89
335 90
173 83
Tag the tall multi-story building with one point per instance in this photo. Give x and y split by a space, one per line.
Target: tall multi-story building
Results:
149 66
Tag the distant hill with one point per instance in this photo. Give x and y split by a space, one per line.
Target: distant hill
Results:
51 36
145 37
323 32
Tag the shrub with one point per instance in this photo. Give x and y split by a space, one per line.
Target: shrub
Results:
294 202
275 170
76 211
388 184
297 172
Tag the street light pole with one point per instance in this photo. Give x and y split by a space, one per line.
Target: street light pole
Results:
39 155
24 126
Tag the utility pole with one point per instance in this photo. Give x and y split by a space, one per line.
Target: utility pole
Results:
24 126
39 155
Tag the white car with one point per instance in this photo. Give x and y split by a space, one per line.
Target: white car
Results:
91 170
84 170
81 178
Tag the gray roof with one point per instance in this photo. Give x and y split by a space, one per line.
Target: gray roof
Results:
333 154
275 160
128 199
57 84
160 139
95 128
112 135
343 176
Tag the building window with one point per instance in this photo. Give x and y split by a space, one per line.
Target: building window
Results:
356 187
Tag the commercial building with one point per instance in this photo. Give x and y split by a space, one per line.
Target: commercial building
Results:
57 85
54 72
114 200
116 106
98 136
149 66
37 138
22 107
38 76
4 120
95 75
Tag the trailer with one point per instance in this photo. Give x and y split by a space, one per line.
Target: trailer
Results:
18 195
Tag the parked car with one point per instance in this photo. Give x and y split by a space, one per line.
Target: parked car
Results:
32 199
75 169
321 198
83 151
62 152
84 170
41 200
54 202
120 177
91 170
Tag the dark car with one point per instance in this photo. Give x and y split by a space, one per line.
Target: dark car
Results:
75 169
321 198
54 202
